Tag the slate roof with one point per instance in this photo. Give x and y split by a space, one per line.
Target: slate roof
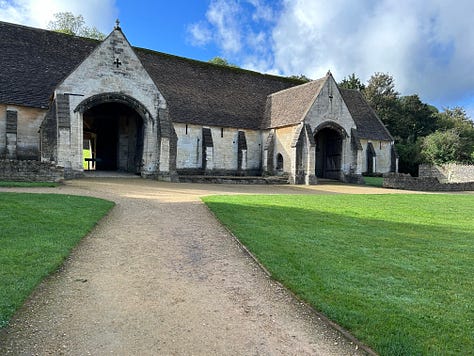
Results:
34 61
288 107
369 126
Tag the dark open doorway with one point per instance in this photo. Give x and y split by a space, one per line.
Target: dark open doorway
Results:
113 134
328 153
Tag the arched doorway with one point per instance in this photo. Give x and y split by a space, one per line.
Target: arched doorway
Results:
329 152
113 138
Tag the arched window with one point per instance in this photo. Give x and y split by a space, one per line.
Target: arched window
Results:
279 163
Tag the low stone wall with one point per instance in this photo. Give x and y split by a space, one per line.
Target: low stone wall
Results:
448 173
30 171
427 184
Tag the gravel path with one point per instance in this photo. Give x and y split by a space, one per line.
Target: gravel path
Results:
160 276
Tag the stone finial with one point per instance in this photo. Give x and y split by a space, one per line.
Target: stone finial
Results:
117 24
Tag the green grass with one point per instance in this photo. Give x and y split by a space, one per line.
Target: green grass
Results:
374 181
37 232
85 154
395 270
12 184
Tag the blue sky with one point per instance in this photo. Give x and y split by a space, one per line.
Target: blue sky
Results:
426 45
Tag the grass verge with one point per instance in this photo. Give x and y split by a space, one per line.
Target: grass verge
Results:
37 232
374 181
11 184
395 270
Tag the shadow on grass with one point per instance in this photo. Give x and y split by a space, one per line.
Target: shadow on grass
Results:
403 288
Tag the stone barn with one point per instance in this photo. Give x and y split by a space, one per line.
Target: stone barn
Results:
81 104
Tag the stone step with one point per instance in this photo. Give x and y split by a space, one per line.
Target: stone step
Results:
233 179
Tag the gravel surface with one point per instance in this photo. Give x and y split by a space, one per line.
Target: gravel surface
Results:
160 276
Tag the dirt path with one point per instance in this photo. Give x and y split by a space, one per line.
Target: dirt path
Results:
160 276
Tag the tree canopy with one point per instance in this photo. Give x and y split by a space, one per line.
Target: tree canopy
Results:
222 62
352 82
421 132
68 23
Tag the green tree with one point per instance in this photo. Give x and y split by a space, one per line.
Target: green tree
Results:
441 147
68 23
222 62
416 119
381 95
301 77
352 82
457 119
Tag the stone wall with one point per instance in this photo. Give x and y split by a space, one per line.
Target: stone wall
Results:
383 158
30 171
428 184
122 80
448 173
19 126
222 154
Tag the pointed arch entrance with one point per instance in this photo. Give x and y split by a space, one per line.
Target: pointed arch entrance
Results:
329 139
113 133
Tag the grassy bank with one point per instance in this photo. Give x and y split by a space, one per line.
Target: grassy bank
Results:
37 232
12 184
396 270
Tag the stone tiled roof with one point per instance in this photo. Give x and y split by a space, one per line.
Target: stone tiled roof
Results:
369 126
201 93
33 62
288 107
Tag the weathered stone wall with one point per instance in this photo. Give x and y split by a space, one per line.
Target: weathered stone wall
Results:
429 184
450 173
329 106
283 140
30 171
383 158
23 143
120 72
222 156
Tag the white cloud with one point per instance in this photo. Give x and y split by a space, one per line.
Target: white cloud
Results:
426 46
200 33
223 16
38 13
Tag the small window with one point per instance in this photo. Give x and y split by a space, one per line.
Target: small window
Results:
279 165
186 129
222 132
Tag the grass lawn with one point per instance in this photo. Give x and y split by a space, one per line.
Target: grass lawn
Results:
11 184
37 232
395 270
374 181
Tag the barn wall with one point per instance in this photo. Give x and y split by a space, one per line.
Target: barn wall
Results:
25 142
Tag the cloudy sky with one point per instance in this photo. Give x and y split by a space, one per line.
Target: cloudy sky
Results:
426 45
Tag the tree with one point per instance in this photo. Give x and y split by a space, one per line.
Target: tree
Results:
352 82
416 119
66 22
441 147
222 62
381 95
457 119
301 77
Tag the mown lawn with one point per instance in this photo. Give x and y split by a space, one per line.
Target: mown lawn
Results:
395 270
374 181
12 184
37 232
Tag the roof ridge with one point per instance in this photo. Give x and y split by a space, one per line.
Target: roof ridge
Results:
297 87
